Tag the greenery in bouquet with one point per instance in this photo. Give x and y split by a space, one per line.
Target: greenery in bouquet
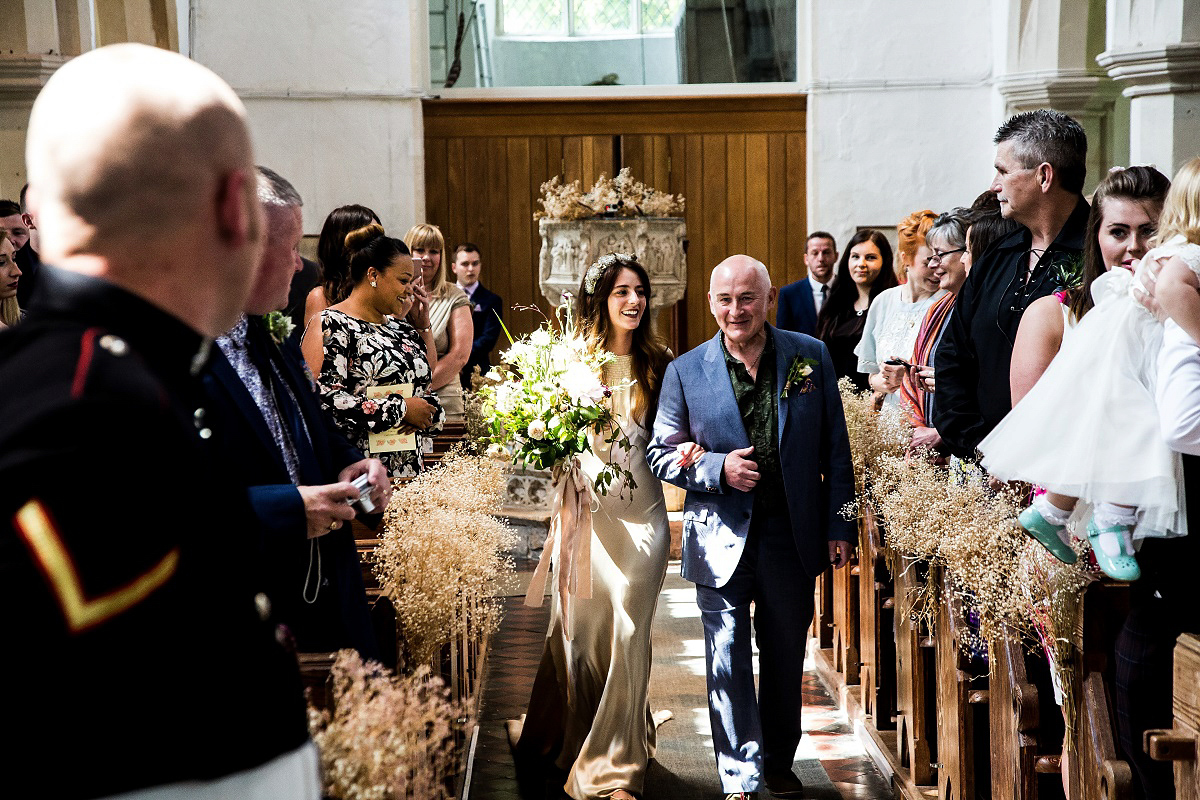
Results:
622 195
387 737
547 399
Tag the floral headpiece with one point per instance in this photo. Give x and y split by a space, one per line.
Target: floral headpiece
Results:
595 271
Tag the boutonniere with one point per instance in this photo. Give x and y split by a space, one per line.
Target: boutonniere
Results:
1068 273
279 325
800 374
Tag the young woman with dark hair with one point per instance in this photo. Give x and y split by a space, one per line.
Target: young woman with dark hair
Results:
365 341
864 272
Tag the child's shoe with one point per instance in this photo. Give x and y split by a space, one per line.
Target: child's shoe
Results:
1119 566
1049 534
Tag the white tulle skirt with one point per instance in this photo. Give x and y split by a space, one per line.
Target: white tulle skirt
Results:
1089 427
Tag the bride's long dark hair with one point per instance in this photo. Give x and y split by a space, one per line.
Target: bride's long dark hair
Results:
650 354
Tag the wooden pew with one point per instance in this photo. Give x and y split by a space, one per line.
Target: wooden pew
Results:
916 715
845 634
961 699
877 643
1181 744
1094 766
822 624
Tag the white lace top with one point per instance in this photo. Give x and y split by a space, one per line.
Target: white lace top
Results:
891 330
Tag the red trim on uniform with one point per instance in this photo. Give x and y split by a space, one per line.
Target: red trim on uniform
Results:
87 347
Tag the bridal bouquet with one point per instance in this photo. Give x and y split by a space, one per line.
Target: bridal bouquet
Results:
546 403
548 398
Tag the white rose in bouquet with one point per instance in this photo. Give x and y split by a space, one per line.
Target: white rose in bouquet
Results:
537 429
581 383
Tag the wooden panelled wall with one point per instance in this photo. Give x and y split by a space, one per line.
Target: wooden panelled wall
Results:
739 162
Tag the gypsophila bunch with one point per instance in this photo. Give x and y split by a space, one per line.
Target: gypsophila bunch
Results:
387 738
872 435
549 401
623 196
441 558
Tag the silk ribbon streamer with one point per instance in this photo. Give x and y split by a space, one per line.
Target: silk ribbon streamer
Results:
571 534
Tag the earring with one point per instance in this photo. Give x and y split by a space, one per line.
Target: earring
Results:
374 284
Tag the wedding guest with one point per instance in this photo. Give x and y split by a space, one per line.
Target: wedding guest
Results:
140 592
1040 168
449 314
334 281
27 254
891 326
485 309
950 260
12 222
365 341
10 281
1123 219
285 451
801 302
307 278
863 274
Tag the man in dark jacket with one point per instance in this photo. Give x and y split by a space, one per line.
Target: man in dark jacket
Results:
285 452
1040 166
486 308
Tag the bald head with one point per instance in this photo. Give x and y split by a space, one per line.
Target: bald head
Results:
741 267
740 295
137 151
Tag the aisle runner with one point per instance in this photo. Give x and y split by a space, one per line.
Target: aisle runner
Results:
685 768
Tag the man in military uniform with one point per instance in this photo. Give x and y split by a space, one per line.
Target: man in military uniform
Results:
139 647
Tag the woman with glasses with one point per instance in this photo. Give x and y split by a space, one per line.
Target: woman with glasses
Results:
892 323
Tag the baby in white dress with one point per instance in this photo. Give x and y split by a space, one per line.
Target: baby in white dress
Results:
1088 429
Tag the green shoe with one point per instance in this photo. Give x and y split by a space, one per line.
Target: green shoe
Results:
1048 534
1119 568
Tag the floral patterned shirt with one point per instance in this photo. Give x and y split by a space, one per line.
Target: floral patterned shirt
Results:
360 354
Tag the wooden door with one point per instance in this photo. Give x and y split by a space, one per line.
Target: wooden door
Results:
738 161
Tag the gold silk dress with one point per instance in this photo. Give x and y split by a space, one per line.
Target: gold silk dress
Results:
589 710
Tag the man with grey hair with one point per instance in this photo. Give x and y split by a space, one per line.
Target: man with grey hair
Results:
1040 168
285 451
136 590
762 517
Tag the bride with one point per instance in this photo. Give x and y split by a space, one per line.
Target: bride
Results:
589 712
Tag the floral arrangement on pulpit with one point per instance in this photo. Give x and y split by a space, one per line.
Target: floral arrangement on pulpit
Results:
622 196
546 402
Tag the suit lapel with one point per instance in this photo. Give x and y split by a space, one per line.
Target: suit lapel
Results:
717 375
783 359
227 378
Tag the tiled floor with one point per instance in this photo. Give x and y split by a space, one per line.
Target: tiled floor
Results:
512 664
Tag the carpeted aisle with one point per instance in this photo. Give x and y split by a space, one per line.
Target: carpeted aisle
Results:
684 767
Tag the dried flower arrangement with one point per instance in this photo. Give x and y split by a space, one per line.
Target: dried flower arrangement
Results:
622 196
441 557
388 738
872 435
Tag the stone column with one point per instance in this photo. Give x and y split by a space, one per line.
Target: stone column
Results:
1153 52
1050 63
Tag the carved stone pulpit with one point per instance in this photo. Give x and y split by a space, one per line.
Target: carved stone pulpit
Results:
569 247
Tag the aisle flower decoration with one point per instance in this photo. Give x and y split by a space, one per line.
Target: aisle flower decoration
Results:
547 403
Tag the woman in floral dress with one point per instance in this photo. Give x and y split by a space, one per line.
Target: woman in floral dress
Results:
365 341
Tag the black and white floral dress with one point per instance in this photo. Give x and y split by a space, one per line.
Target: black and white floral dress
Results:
360 354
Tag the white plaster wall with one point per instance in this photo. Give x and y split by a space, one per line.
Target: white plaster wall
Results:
333 95
900 122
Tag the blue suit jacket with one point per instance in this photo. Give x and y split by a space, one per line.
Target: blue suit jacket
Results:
340 616
697 404
797 311
485 318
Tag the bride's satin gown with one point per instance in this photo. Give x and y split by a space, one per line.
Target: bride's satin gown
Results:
589 709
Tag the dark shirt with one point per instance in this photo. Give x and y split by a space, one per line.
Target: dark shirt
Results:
841 341
972 360
30 264
137 587
760 413
303 282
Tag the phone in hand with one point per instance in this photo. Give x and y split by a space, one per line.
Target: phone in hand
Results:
898 362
